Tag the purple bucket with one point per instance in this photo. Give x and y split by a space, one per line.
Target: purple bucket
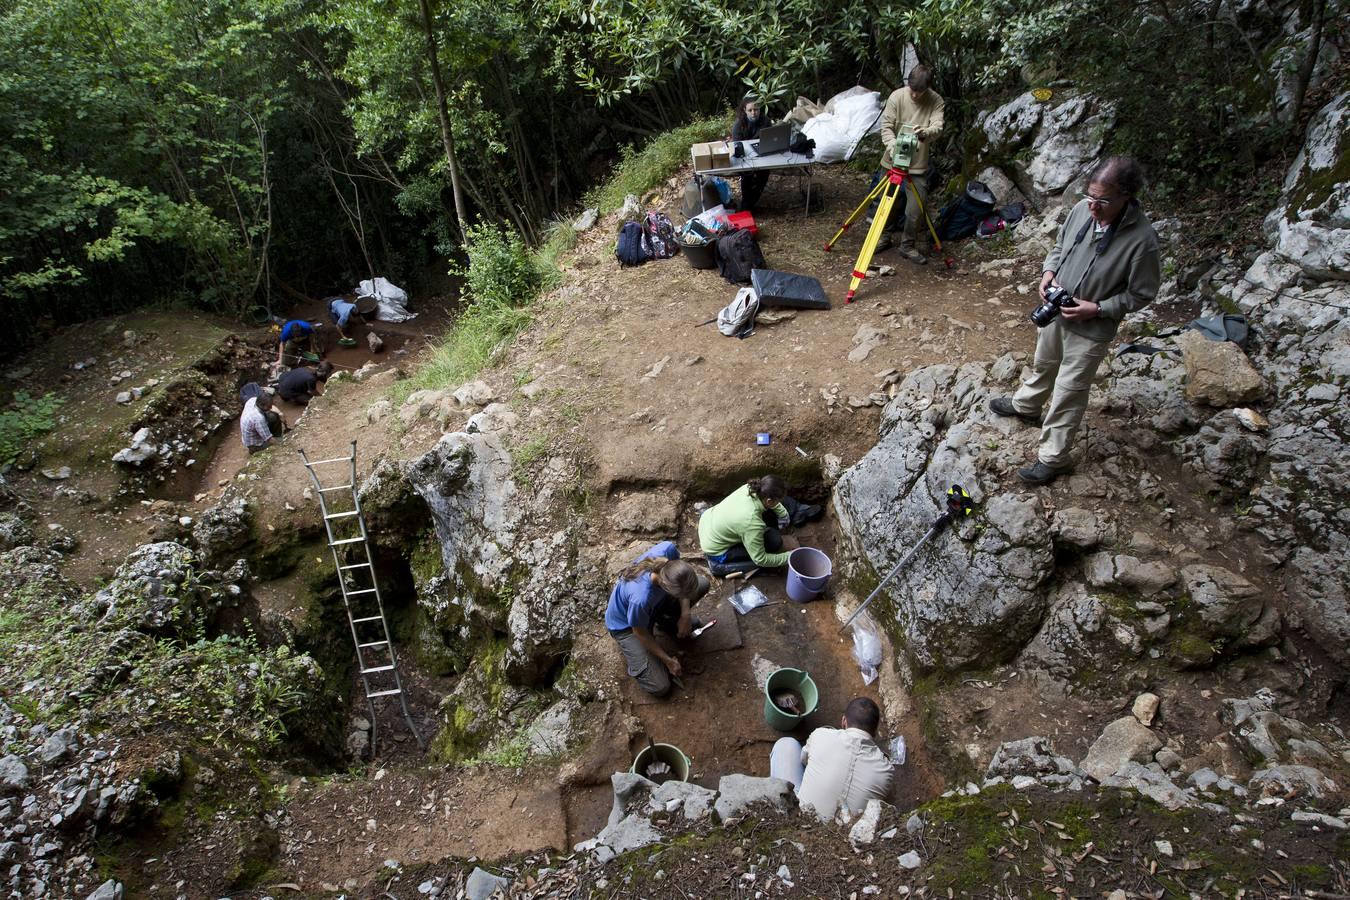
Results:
808 572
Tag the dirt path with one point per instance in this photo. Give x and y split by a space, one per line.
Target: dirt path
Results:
626 367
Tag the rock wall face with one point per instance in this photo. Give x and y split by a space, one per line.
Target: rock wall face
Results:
1257 429
510 562
1045 148
1296 295
975 594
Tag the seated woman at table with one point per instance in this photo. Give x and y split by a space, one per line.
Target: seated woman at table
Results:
744 531
750 118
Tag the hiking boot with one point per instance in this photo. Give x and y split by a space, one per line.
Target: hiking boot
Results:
1003 406
913 255
884 244
1038 473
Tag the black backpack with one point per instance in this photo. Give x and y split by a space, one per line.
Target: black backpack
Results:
633 248
738 255
960 218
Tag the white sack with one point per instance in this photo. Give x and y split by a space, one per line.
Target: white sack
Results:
837 134
392 300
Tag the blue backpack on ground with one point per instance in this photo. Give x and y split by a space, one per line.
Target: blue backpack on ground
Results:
633 248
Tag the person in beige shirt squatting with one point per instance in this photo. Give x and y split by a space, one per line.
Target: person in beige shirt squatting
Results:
839 767
1106 259
918 105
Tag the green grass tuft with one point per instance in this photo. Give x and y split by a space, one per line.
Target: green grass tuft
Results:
504 277
639 171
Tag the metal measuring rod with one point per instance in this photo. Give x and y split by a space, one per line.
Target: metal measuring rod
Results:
959 505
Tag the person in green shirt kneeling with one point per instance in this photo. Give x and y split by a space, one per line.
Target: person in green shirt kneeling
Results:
744 531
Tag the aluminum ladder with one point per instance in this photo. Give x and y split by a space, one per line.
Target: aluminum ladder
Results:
375 656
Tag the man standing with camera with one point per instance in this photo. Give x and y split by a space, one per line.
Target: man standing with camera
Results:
918 106
1105 263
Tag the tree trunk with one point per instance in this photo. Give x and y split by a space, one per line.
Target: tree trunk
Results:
443 114
1305 71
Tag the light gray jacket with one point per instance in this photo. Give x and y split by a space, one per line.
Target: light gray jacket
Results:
1125 278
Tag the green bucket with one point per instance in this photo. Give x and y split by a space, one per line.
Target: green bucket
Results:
794 680
667 753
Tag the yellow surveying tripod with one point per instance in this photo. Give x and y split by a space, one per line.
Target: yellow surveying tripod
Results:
888 189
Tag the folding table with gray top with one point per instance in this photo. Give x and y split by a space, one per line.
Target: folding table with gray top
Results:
798 164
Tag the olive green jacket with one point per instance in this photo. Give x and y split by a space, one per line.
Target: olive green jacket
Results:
1125 278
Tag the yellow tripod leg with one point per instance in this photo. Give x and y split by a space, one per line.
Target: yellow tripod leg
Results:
854 216
883 213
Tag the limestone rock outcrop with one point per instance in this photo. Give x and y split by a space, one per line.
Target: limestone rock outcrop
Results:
976 594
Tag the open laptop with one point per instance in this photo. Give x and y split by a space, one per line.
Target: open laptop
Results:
774 139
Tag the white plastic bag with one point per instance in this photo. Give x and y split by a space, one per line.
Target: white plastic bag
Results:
714 219
392 299
837 133
747 598
866 649
898 750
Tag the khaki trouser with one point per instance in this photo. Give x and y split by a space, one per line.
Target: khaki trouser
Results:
1062 374
915 184
651 674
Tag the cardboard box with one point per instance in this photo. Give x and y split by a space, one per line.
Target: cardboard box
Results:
711 155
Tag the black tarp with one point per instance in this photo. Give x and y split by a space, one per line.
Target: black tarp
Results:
786 289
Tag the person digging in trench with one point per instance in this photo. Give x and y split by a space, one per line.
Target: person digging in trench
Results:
658 589
744 531
340 310
259 424
297 338
301 384
1107 250
838 767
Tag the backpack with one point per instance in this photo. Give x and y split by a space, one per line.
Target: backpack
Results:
961 218
737 318
738 255
991 225
660 235
633 248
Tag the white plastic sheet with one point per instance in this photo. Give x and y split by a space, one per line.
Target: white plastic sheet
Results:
837 133
392 300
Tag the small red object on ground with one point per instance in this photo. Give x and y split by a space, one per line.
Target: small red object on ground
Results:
744 220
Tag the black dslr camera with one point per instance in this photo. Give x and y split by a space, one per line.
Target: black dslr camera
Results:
1056 297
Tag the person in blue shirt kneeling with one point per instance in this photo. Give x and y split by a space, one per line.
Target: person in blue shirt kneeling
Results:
340 311
296 339
657 589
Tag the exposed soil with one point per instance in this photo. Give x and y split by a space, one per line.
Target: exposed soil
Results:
619 370
656 397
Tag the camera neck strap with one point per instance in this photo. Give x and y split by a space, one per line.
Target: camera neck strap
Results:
1097 251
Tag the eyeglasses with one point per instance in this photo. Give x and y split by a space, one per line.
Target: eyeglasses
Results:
1099 202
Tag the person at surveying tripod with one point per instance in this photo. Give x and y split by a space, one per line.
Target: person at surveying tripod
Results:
919 107
1105 263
